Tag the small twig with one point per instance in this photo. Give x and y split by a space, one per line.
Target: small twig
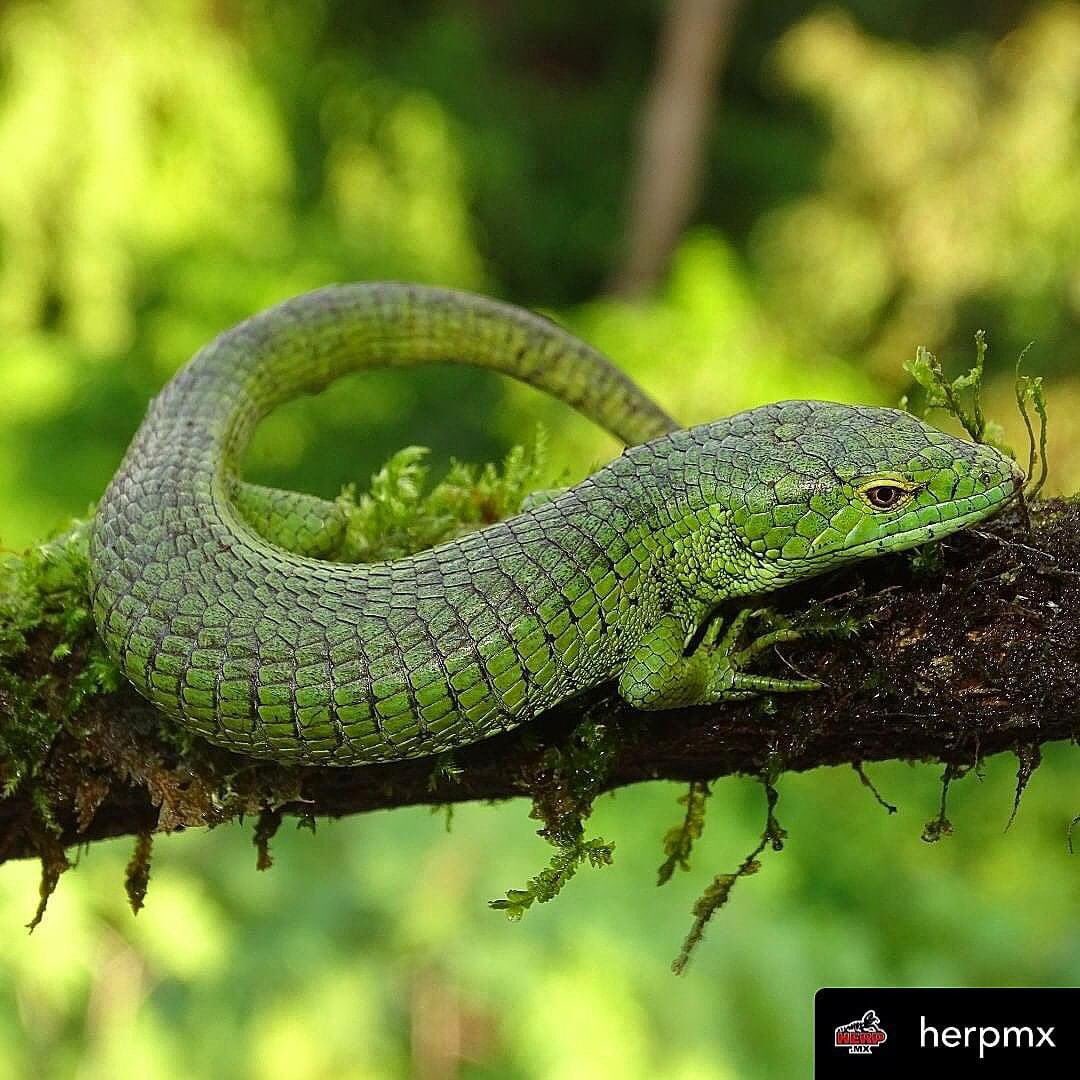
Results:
941 826
1021 401
1028 760
868 783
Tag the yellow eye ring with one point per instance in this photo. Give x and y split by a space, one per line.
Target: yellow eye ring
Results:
885 493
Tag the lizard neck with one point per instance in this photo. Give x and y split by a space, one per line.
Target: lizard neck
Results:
679 491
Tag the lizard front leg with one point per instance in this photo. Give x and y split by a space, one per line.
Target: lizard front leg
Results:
660 675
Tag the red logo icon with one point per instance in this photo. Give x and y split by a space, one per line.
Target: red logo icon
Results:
860 1036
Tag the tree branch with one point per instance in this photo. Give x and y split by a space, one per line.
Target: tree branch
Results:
967 651
667 171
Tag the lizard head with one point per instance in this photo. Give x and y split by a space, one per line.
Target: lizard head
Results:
828 484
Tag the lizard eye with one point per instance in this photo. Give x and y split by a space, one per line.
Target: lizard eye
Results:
885 496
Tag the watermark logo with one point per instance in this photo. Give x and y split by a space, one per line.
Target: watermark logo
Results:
861 1036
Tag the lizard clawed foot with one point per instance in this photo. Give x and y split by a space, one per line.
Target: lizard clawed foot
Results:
726 680
660 674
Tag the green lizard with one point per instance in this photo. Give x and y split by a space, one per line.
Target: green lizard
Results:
222 604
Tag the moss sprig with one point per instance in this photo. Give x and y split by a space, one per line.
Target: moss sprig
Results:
719 890
950 394
564 864
940 826
679 840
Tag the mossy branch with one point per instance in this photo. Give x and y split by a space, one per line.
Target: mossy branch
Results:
974 653
970 650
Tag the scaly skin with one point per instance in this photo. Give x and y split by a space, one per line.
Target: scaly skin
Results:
280 653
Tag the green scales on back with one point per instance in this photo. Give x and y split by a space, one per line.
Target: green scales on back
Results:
223 604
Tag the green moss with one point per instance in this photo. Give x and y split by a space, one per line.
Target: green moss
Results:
564 787
1030 393
719 889
961 398
44 605
679 841
949 394
550 881
397 516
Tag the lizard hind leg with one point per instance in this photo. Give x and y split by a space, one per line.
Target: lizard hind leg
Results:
660 675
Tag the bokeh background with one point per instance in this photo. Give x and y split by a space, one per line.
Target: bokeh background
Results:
739 202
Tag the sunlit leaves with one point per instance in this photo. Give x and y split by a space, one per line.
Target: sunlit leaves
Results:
951 181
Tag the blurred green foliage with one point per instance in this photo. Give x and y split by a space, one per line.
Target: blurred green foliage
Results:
879 176
948 195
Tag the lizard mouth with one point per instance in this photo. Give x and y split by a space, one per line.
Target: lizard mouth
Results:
913 537
920 534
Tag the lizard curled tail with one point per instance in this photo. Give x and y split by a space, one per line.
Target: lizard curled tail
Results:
206 616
